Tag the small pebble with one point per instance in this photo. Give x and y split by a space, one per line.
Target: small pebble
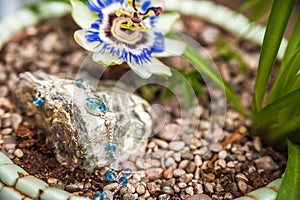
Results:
176 188
177 157
182 185
241 158
242 186
178 172
197 173
74 187
140 189
209 187
140 163
222 154
199 188
186 178
222 163
136 177
6 131
164 197
16 119
266 163
183 164
111 186
189 190
190 168
154 173
151 186
171 182
187 156
1 112
161 143
241 176
230 164
169 162
52 180
170 132
129 196
199 197
151 145
257 144
198 160
168 173
18 153
176 145
168 190
3 91
219 188
208 177
228 196
217 148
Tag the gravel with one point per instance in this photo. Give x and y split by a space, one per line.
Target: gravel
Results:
177 166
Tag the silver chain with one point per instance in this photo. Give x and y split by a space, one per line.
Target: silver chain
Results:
45 87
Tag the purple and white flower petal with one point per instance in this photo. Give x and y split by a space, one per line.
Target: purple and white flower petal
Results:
124 32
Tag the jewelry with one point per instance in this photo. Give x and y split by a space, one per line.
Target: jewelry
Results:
95 106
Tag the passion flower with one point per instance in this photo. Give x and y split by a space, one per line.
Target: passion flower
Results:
118 31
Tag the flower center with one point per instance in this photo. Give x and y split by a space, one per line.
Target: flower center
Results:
122 34
137 17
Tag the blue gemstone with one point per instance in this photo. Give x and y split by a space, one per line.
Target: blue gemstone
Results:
99 196
111 176
79 82
111 148
127 172
95 106
123 181
37 101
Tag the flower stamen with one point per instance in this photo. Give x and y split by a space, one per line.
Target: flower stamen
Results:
139 16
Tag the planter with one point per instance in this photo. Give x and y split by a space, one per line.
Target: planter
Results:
179 172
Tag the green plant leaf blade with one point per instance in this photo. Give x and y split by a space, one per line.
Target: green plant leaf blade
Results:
289 188
278 20
285 81
203 65
188 93
269 123
289 65
293 44
258 8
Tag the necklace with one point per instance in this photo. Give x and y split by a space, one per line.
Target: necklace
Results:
94 106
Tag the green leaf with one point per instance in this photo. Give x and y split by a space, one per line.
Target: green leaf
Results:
194 80
286 63
82 15
293 44
289 188
258 8
269 123
278 20
287 78
188 93
204 66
